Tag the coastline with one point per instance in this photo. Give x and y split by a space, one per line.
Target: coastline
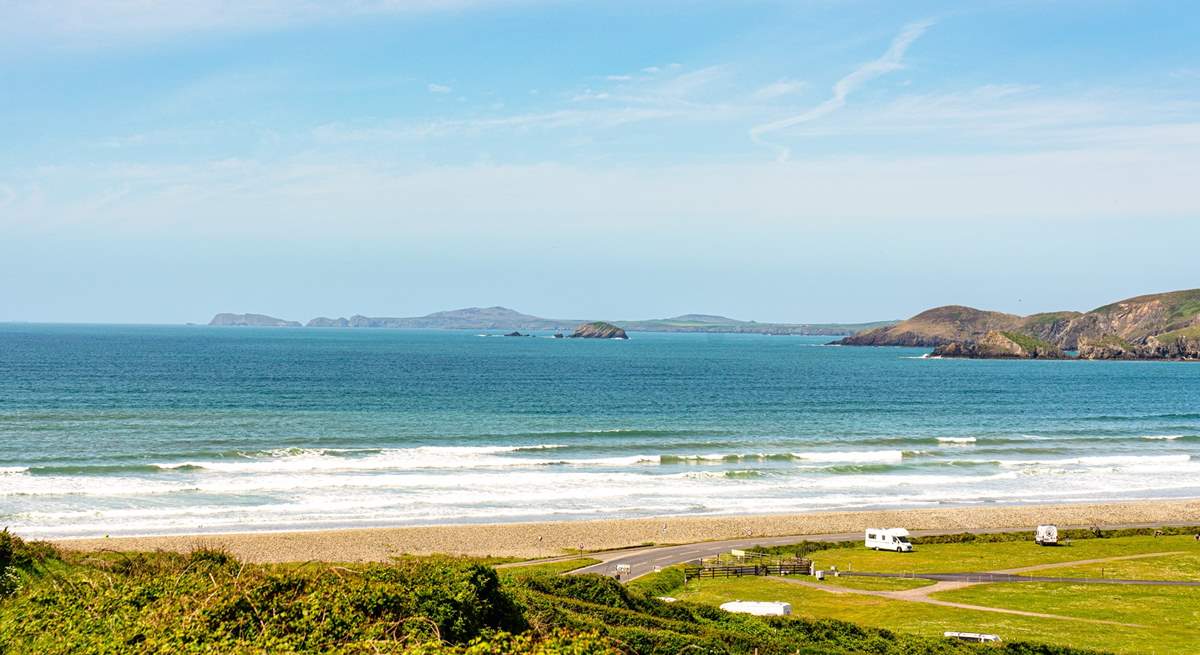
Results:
549 539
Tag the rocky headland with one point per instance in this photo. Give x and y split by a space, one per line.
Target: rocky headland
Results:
1001 345
250 320
598 330
1154 326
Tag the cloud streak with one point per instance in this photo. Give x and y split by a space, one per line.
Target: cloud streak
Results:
890 61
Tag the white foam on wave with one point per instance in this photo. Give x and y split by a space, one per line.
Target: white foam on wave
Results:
958 441
322 459
1162 437
13 470
1103 461
854 456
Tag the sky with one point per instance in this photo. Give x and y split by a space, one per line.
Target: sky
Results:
801 161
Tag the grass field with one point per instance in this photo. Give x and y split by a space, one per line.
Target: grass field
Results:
877 584
1167 616
1166 567
977 556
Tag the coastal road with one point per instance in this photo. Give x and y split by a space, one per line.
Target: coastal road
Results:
645 560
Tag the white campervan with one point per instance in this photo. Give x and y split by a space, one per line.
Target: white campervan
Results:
888 539
1047 535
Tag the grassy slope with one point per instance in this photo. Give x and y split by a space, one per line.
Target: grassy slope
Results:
1168 612
1167 567
1027 342
917 618
963 557
1188 332
877 584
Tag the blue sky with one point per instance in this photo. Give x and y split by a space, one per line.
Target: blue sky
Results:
785 161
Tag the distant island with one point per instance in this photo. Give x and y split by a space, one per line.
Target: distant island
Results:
598 330
502 318
251 320
1154 326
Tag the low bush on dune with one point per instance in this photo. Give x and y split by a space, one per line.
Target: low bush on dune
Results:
209 602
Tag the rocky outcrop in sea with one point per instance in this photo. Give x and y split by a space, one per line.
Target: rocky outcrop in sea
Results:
598 330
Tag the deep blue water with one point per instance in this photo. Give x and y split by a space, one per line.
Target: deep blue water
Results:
140 429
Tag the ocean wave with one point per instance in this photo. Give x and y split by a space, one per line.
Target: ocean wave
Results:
884 456
299 460
1103 461
957 441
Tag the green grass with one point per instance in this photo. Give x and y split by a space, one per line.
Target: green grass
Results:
874 584
1029 343
1167 612
930 620
553 568
982 556
1167 567
1185 333
1170 613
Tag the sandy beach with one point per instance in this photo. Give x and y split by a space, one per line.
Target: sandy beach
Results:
530 540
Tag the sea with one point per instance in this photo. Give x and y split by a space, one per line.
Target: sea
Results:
138 430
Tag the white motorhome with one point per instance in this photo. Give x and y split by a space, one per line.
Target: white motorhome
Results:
888 539
1047 535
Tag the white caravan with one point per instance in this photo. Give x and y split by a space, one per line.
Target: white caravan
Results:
972 636
1047 535
888 539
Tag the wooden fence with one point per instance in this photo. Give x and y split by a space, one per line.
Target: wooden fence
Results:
789 567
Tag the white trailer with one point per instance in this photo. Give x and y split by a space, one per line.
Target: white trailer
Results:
1047 535
895 539
758 608
978 637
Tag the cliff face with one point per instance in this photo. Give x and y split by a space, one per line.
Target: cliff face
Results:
598 330
1136 319
1155 326
250 320
1179 344
1001 345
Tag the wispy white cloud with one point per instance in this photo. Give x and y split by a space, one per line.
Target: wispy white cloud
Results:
85 21
438 88
330 133
891 60
778 89
247 196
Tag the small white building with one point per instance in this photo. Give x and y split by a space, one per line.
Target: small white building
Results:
1047 535
758 608
895 539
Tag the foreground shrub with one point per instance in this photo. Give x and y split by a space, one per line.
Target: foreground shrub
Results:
208 602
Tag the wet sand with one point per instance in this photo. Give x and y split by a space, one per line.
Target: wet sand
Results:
530 540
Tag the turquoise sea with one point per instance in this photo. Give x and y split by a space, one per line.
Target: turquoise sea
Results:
151 430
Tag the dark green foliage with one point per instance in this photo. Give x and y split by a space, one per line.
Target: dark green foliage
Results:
661 583
208 602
